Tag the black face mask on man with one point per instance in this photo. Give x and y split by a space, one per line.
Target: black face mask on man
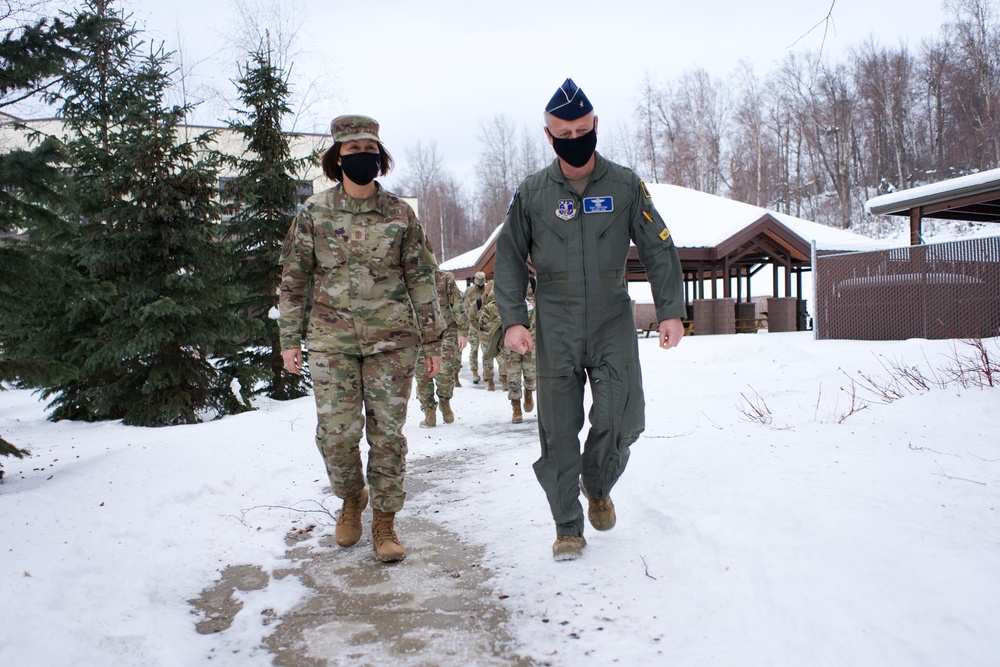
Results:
576 152
361 168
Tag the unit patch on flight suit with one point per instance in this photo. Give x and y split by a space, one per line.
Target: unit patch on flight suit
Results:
566 209
645 192
598 205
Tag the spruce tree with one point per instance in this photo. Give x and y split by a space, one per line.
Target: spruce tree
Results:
265 192
145 306
32 58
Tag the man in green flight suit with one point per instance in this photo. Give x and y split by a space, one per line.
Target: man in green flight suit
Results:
575 219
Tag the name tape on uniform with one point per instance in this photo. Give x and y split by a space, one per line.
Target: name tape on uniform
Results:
598 204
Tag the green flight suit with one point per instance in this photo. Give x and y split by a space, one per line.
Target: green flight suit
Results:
584 327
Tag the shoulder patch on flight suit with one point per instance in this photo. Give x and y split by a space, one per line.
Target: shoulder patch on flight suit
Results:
665 234
645 192
510 204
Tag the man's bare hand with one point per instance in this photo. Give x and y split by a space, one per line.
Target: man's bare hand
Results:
518 339
671 332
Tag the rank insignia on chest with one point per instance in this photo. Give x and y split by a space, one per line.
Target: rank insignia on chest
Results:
358 235
598 205
566 209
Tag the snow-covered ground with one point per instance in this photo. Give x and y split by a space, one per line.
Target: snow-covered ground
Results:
818 532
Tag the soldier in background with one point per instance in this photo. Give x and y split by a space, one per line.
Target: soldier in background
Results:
489 331
474 293
517 364
452 344
375 302
522 366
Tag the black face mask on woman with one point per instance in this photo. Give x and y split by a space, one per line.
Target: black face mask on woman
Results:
576 152
361 168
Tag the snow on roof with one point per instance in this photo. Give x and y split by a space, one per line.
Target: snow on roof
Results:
932 192
468 259
702 220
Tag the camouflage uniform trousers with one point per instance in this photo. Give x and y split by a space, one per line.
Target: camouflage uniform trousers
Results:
518 365
488 360
473 349
445 379
369 394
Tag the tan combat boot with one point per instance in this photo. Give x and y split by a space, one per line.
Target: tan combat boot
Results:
348 530
503 382
458 383
516 407
446 412
490 386
430 418
601 512
568 547
388 548
475 376
529 401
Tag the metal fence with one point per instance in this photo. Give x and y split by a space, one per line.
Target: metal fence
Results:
943 290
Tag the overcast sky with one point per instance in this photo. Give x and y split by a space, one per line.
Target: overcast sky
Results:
434 70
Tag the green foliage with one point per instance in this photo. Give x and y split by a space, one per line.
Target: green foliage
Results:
32 58
35 55
7 449
127 305
266 194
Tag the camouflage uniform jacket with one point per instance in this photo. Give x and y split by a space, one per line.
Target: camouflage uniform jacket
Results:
372 276
472 293
452 306
489 316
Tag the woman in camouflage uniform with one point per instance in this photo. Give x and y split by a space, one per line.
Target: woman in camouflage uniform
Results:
360 253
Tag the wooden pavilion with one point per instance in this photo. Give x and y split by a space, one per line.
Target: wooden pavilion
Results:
722 244
972 198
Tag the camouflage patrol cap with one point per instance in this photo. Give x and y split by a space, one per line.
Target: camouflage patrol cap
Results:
353 128
480 278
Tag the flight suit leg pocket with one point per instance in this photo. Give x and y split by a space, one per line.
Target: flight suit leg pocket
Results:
610 388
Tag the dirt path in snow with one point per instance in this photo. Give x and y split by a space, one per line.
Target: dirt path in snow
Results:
432 609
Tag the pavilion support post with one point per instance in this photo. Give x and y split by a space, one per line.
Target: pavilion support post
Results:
727 284
915 217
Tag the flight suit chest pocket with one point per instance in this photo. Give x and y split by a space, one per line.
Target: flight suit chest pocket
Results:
612 243
549 246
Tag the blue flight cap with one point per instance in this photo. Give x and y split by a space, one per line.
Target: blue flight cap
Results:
569 102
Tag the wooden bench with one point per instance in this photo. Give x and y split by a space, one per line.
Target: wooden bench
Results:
652 327
750 324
